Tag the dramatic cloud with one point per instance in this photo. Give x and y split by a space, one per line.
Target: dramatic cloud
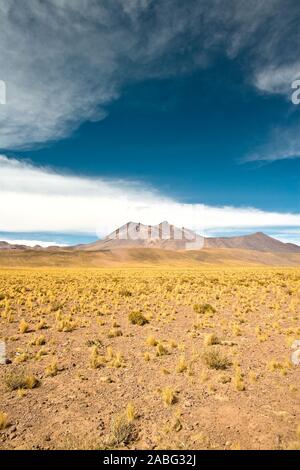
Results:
64 61
40 200
278 79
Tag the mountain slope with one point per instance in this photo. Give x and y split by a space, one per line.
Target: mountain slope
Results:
257 241
168 237
135 235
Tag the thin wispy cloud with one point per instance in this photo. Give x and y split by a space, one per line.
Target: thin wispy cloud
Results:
282 144
64 63
41 200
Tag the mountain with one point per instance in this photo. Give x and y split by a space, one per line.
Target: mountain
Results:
168 237
257 241
136 235
131 243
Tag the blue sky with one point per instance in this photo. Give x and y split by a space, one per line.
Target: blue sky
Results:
198 114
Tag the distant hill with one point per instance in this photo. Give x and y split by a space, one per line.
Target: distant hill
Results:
168 237
144 257
9 246
257 241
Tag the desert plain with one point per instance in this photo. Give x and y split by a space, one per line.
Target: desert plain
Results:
149 358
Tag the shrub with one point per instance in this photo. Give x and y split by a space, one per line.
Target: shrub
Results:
147 357
182 365
151 341
52 369
204 308
23 327
41 325
38 341
211 339
168 396
125 293
161 350
96 360
130 413
137 318
66 324
3 421
122 431
238 380
114 333
214 359
20 380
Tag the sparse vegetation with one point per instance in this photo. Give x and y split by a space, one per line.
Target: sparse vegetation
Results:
183 352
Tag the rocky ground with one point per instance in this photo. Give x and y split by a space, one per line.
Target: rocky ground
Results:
149 358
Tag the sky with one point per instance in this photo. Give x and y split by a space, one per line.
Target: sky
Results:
149 110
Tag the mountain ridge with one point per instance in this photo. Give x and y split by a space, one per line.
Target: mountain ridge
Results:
168 237
165 236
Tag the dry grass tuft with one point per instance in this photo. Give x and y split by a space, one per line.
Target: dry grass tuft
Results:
23 327
122 431
20 379
52 369
182 365
204 308
137 318
211 339
3 421
215 360
169 396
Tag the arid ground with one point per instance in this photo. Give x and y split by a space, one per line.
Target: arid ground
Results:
150 358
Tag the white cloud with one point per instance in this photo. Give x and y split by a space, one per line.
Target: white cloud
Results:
39 200
63 61
32 243
278 79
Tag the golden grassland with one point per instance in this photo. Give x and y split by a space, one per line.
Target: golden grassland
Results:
150 358
144 257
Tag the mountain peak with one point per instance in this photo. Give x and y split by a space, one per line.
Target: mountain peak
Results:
169 237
